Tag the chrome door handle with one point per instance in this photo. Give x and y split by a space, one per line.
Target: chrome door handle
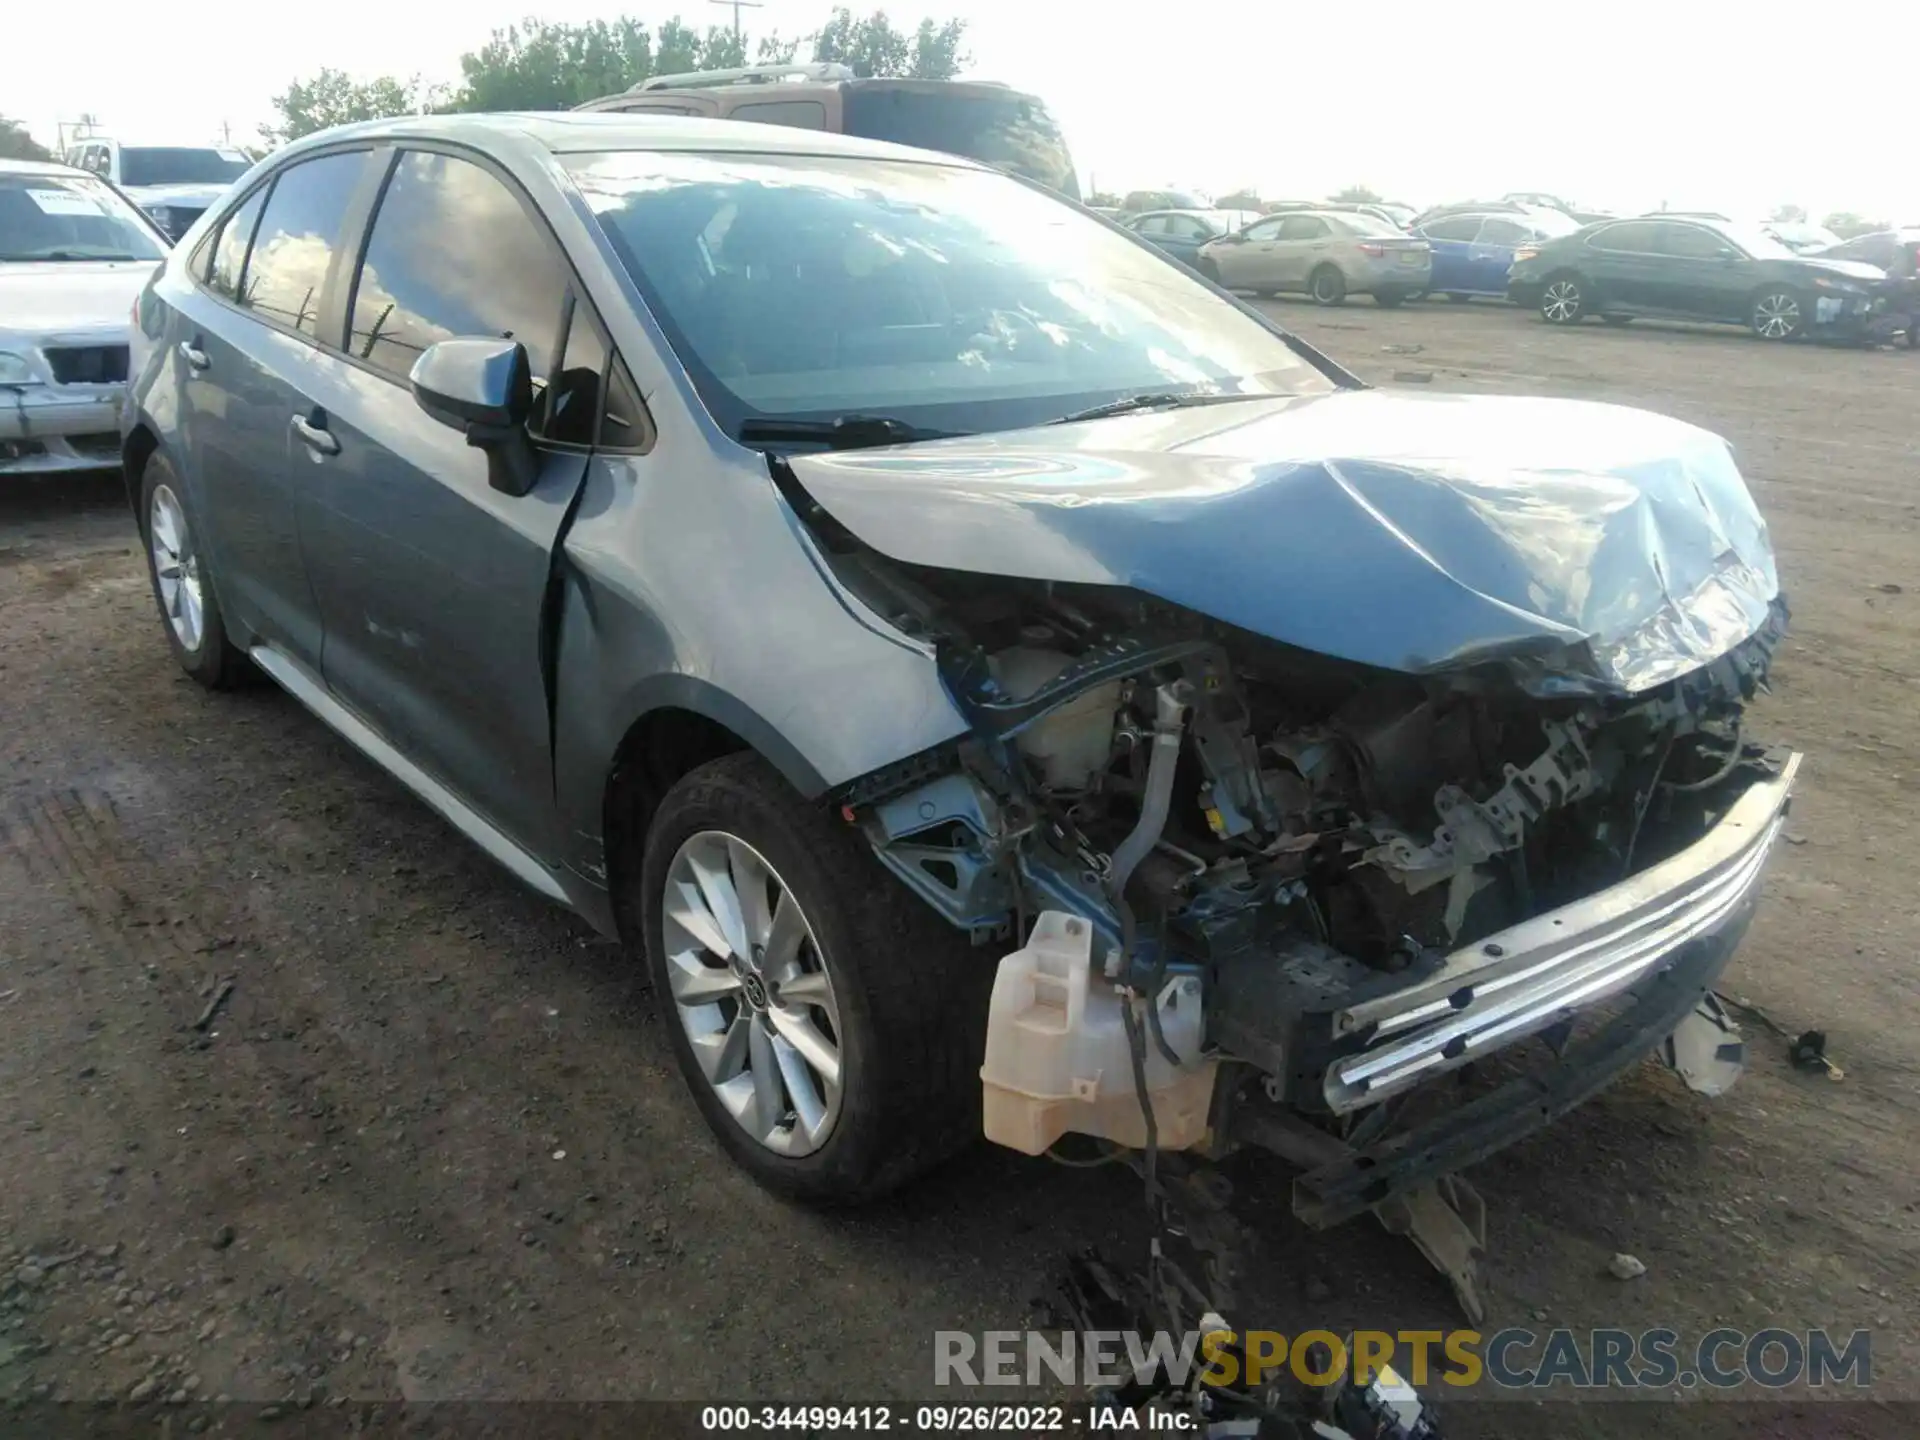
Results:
195 357
317 438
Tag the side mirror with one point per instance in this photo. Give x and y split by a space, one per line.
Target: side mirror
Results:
483 388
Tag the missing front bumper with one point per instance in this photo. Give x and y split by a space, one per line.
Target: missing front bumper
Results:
1543 971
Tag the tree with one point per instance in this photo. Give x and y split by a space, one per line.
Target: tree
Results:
1789 214
872 47
1243 199
1846 224
1356 195
17 144
335 98
540 65
1101 200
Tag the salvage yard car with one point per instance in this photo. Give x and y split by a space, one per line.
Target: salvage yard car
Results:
993 678
1329 254
1694 269
174 184
73 255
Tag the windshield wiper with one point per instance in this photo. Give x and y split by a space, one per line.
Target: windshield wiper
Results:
1151 400
843 432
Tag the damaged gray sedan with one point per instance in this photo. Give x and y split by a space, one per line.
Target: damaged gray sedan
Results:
996 679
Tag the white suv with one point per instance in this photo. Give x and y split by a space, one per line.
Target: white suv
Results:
172 183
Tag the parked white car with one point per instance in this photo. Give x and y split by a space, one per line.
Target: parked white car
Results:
174 184
73 256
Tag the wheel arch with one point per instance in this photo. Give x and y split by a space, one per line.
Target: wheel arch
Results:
139 445
679 723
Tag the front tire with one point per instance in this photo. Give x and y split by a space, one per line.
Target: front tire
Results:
829 1025
1208 269
1564 301
182 581
1327 286
1777 314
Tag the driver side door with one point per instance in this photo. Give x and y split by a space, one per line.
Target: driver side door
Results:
1246 263
432 584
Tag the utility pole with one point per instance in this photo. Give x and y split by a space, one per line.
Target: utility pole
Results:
738 6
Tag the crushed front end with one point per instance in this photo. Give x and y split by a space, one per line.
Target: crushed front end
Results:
1307 886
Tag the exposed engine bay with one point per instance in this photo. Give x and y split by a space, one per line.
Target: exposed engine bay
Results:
1292 829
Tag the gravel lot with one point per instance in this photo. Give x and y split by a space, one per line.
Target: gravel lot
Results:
431 1147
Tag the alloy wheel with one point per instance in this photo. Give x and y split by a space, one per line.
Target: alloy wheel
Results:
176 566
753 991
1561 302
1776 316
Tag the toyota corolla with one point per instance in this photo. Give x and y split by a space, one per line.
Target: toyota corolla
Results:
992 678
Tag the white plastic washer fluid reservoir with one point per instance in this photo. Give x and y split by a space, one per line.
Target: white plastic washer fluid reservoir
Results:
1057 1056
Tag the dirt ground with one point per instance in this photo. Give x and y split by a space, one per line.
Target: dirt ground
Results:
431 1146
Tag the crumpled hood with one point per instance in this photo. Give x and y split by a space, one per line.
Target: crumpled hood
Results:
69 297
1593 548
1850 269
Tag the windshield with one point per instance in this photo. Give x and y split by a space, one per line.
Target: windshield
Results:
806 287
1009 131
179 165
70 217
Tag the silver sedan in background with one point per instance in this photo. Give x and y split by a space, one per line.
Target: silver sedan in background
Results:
1328 254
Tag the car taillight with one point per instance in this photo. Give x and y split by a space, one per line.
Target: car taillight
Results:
1367 249
1525 252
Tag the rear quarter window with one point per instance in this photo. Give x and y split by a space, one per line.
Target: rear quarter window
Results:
802 114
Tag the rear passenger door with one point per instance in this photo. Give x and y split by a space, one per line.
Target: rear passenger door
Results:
1490 255
431 583
239 345
1451 238
1304 242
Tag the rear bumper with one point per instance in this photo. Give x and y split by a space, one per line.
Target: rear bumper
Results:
51 428
1542 971
1391 276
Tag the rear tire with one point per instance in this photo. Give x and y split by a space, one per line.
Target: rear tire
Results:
1327 286
182 581
900 996
1564 300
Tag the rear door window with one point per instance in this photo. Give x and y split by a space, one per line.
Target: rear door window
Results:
1497 231
454 252
293 248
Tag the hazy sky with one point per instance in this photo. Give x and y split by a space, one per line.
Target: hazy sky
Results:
1698 103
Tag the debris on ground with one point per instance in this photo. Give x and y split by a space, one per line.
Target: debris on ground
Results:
1626 1267
220 994
1805 1051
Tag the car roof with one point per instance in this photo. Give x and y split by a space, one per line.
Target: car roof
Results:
38 167
565 132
